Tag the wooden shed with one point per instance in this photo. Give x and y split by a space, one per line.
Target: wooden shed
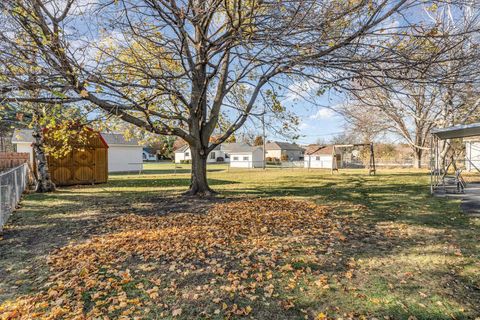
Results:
86 162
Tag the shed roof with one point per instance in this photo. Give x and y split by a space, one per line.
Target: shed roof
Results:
317 149
22 135
25 136
460 131
118 139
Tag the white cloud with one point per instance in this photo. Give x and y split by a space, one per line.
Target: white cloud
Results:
304 125
322 113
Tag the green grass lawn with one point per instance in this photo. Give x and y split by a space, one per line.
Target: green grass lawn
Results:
373 247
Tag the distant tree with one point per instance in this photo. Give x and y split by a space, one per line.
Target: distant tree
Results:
258 141
443 95
231 139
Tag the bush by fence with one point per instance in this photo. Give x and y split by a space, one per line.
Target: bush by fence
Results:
13 183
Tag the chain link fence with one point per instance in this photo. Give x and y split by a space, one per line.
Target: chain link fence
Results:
13 183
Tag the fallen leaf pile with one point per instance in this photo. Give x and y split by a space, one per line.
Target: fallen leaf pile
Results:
238 256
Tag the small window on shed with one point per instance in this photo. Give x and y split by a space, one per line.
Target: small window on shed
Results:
245 158
235 158
317 158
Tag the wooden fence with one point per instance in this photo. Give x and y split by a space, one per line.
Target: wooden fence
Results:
10 160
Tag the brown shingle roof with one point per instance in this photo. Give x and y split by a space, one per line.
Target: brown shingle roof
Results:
316 149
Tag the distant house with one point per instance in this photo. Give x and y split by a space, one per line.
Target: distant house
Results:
472 153
183 154
123 154
284 151
245 156
318 156
148 155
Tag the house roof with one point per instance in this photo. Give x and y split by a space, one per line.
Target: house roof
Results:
224 147
227 147
243 148
118 139
25 136
460 131
22 136
317 149
277 145
182 148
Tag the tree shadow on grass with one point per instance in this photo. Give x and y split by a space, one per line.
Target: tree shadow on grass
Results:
147 183
49 224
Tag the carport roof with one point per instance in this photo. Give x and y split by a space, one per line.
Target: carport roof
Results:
460 131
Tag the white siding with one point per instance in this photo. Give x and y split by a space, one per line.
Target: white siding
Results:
247 159
26 147
473 154
212 156
179 156
319 161
124 158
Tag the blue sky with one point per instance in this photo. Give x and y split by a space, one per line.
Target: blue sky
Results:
317 119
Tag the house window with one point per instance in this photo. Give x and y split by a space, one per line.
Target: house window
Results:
317 158
245 158
212 155
187 154
235 158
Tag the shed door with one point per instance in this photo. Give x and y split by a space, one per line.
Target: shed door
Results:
101 166
61 169
84 165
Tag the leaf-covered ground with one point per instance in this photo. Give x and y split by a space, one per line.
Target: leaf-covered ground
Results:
278 245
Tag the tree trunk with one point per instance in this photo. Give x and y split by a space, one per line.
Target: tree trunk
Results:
418 158
199 183
45 183
444 150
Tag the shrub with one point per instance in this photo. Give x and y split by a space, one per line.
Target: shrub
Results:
220 159
274 163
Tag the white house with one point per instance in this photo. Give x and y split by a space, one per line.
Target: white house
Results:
148 155
472 154
123 155
318 156
245 156
216 155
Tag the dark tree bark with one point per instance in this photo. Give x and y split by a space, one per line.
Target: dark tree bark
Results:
199 183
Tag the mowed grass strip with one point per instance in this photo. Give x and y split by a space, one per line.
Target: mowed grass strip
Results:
319 246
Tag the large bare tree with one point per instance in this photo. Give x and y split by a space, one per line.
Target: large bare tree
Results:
175 67
435 94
